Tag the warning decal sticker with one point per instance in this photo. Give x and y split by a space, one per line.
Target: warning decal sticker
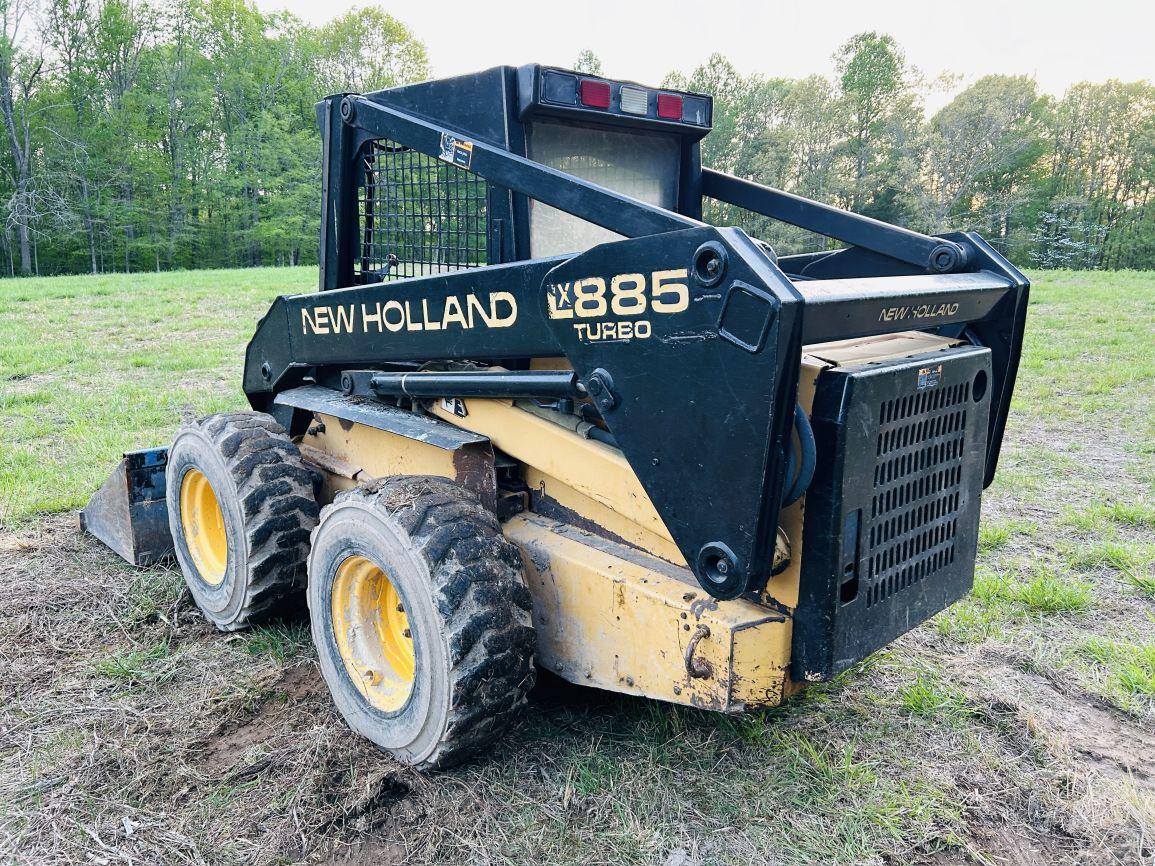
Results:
456 151
928 377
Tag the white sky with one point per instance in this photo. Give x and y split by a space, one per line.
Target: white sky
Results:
1058 42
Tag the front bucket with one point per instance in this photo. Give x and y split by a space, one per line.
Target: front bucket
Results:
128 513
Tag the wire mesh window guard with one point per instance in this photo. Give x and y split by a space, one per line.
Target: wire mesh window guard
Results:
418 215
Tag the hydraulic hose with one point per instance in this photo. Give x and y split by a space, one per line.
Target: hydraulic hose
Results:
800 472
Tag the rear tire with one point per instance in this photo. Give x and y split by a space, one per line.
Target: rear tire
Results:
241 505
421 618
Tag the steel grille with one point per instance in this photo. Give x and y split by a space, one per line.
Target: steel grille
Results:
418 215
918 476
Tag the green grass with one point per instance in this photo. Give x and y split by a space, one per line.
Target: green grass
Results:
1105 516
91 367
1002 601
278 641
1134 562
137 665
1126 670
1040 592
929 696
996 534
869 768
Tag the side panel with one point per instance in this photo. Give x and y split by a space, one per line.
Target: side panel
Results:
612 617
351 454
590 468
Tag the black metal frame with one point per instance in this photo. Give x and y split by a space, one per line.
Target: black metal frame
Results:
702 406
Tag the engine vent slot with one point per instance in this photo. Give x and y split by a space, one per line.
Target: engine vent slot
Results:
918 473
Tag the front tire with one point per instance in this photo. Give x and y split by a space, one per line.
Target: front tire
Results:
241 505
421 618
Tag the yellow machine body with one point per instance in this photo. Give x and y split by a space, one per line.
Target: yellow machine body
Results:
614 604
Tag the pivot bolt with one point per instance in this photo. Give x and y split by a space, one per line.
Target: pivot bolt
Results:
709 263
600 386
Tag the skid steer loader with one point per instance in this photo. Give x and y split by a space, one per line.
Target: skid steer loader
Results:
541 414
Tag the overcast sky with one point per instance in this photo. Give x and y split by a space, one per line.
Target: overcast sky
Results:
1057 42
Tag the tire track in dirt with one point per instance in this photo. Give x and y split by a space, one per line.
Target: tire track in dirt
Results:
1070 719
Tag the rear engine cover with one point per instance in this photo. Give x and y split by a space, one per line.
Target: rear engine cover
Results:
891 518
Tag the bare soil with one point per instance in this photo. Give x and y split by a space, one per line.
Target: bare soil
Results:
218 751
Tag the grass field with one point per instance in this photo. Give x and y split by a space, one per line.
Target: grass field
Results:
1017 727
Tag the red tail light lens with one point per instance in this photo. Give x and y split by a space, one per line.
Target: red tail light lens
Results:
669 106
596 94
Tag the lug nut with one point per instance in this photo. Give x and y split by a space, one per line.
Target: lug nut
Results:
405 633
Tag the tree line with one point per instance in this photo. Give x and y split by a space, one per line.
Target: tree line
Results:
1051 182
157 134
160 134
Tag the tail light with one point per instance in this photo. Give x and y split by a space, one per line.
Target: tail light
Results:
669 106
596 94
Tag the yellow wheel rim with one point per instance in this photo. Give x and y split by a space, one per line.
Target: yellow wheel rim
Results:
204 527
373 634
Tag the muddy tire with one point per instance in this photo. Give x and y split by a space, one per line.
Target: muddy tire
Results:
421 618
241 506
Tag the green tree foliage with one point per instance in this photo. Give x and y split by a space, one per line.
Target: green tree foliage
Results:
175 133
981 161
156 134
881 117
1067 182
588 63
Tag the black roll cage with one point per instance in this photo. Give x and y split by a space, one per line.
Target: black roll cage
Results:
887 279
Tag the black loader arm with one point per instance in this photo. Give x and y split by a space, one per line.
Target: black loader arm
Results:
688 342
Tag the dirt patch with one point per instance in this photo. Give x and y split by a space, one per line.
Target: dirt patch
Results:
225 751
1070 719
366 854
130 731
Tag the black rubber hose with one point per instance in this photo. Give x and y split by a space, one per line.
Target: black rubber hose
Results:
600 435
791 470
809 451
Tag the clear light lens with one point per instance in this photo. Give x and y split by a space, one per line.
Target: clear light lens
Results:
635 100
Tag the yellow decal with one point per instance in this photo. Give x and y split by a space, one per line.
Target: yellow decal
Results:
627 295
497 310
